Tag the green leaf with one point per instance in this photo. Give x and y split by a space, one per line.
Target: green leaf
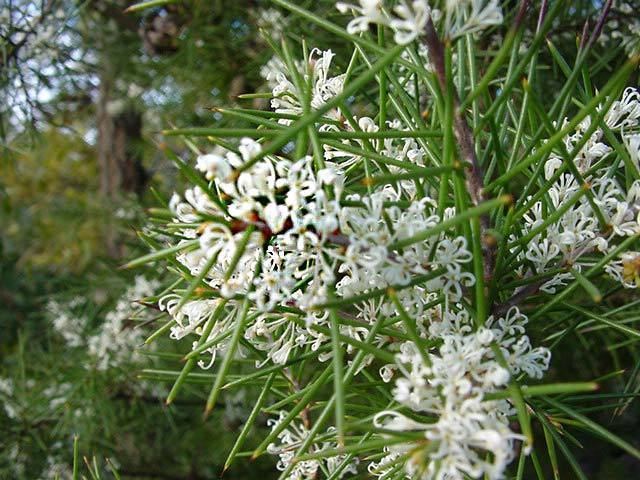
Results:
529 391
211 321
228 358
595 428
222 132
552 431
312 117
188 245
295 411
76 458
249 423
605 321
445 225
338 386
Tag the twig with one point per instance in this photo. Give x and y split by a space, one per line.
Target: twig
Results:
517 298
475 177
544 8
600 25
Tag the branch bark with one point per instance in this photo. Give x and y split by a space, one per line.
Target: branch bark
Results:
474 177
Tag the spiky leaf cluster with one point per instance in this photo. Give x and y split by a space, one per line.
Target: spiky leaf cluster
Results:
379 252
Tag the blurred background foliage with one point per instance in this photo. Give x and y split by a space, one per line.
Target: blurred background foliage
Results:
47 179
85 89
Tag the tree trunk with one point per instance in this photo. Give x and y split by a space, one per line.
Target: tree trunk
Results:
119 154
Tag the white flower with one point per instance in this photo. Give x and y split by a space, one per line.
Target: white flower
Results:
287 99
551 166
452 387
214 166
470 16
248 148
213 238
632 144
67 324
452 254
300 182
410 21
290 438
386 464
115 342
624 113
370 12
276 215
387 372
542 253
390 420
498 376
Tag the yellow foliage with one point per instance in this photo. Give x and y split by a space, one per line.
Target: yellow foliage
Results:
55 217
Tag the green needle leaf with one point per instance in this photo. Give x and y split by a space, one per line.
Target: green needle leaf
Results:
250 422
338 379
228 358
215 316
309 119
595 428
481 209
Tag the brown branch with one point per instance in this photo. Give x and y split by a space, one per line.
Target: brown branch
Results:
522 12
544 8
474 178
583 35
517 298
600 25
12 53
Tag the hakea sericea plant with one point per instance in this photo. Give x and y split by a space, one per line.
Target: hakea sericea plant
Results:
380 241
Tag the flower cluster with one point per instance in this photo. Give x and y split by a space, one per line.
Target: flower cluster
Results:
291 437
463 17
6 392
114 342
23 400
470 434
283 224
68 325
408 18
597 215
293 237
289 100
622 29
370 237
55 469
272 21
